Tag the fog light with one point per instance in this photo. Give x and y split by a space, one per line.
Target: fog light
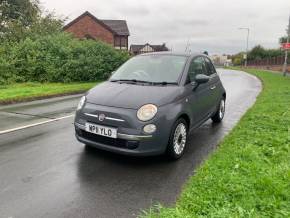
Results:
150 128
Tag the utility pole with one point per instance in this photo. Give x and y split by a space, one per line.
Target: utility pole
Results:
247 48
187 46
286 50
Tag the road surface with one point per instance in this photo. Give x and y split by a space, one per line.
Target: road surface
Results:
45 172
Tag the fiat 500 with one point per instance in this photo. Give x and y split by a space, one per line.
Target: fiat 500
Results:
150 105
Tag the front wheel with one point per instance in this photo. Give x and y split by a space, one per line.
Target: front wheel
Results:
178 139
220 113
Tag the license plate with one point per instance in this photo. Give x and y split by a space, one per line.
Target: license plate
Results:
101 130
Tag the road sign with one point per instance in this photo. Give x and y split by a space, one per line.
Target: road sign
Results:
286 46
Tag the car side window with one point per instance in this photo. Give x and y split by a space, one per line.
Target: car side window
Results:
197 66
209 67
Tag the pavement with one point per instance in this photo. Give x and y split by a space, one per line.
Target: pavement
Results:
45 172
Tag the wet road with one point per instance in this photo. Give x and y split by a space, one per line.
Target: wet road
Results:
45 172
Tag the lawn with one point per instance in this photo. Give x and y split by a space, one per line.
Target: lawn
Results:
249 174
31 91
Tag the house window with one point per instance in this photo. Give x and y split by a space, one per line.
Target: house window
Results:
117 41
121 42
124 42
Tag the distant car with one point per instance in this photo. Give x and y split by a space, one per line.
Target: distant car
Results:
150 104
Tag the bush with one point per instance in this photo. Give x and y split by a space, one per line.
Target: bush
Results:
58 58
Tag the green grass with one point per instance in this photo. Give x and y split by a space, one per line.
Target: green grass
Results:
249 174
31 91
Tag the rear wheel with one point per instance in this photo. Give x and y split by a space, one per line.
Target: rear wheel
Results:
220 113
178 139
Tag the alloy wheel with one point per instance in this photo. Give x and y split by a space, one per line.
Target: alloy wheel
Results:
222 109
179 139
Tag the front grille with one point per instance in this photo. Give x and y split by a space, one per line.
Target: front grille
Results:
121 143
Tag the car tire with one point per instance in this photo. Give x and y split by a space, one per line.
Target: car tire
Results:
220 113
178 139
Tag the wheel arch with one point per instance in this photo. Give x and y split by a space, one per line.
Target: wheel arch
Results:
186 118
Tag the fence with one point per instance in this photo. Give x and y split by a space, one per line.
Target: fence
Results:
267 61
273 63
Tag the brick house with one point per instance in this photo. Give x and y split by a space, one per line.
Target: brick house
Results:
87 26
139 49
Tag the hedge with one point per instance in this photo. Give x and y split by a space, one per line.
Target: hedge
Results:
58 58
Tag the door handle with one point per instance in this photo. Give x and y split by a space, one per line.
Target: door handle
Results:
213 87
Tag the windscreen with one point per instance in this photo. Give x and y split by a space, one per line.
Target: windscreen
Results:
152 68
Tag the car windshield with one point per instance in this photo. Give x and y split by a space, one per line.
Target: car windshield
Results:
151 68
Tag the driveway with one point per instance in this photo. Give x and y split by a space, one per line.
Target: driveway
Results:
45 172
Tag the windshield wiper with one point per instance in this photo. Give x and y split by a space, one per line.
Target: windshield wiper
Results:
130 80
164 83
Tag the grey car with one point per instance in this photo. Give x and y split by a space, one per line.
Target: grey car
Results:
150 105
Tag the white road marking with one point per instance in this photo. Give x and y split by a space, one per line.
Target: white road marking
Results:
34 124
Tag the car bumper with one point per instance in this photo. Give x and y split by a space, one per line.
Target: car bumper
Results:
128 144
131 139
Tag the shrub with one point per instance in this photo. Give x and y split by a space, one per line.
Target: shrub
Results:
58 58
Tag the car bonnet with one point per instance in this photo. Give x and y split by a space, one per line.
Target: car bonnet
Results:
132 96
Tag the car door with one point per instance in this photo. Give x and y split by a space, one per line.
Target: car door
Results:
198 101
213 84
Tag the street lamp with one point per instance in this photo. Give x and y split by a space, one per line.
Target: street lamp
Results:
248 33
286 51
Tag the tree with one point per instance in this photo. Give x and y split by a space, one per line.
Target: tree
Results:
237 59
48 24
257 53
283 39
274 52
22 18
23 11
17 15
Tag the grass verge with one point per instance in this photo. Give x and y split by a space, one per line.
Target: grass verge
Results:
249 174
32 91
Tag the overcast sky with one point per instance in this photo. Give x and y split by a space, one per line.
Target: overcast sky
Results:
210 25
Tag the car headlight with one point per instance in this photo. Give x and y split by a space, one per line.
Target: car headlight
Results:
146 112
81 103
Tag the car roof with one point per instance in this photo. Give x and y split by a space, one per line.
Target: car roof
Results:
173 53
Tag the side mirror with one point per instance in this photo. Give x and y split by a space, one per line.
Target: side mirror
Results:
201 78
